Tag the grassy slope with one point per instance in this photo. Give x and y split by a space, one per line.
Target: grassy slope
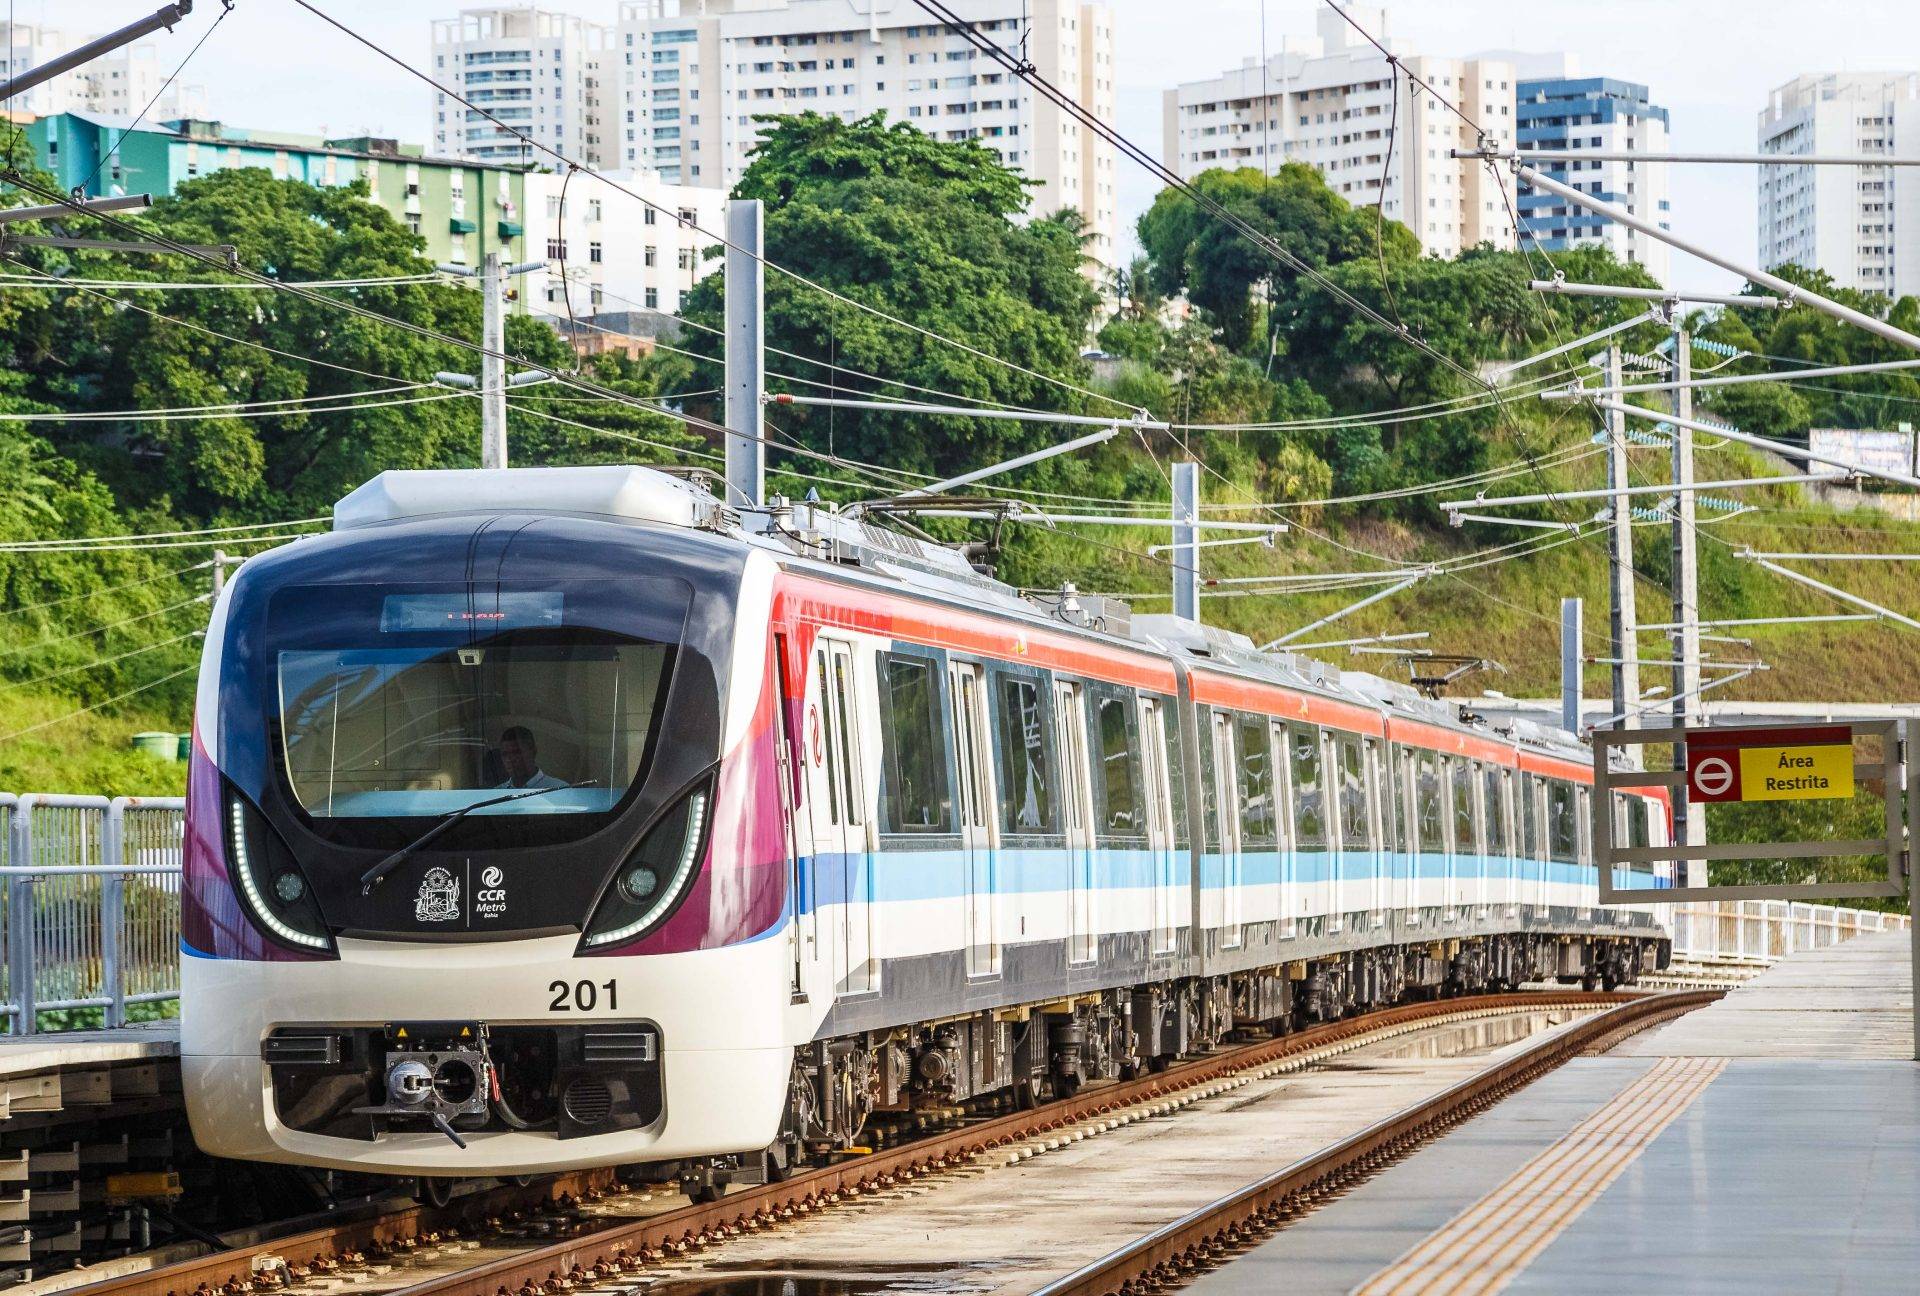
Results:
87 753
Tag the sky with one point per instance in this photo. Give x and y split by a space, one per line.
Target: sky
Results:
1712 63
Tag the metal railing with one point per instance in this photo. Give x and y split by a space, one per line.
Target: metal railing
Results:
89 905
1764 931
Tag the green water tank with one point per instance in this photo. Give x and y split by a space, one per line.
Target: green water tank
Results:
166 746
183 749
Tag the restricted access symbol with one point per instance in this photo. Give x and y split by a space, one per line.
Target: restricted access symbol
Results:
1713 776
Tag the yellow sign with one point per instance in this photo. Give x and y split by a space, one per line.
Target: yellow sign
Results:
1796 773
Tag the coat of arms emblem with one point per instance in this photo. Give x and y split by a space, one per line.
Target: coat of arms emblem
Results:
439 897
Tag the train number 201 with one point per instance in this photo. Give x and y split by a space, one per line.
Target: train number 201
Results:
581 996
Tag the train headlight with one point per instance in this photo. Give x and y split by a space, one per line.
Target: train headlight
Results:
272 888
653 879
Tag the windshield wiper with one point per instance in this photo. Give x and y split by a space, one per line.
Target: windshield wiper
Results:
375 875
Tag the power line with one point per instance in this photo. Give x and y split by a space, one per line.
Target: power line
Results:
209 285
245 410
118 697
101 661
102 629
166 85
111 589
795 275
17 545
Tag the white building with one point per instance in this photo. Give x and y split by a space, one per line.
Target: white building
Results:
1562 110
1859 224
1328 101
618 254
536 70
689 77
121 83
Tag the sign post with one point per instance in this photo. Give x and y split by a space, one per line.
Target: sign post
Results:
1755 764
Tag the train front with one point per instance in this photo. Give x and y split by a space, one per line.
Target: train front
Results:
480 853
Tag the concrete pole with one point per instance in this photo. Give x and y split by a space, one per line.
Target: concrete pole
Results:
219 573
746 354
1572 615
1186 536
493 364
1623 639
1690 824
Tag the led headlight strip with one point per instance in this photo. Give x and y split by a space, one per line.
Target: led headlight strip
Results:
243 866
689 855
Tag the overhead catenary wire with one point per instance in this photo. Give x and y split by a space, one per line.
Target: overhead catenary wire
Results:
17 649
62 601
100 661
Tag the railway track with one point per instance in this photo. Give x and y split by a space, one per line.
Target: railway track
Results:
1202 1238
599 1253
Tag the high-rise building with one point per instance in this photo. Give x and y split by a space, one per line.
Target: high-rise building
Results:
690 76
534 69
1861 225
1562 111
122 82
1330 101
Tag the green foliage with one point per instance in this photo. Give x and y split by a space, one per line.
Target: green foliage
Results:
889 218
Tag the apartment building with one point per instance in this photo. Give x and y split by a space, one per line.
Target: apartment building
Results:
609 253
1861 225
461 209
1329 101
536 70
690 77
1565 112
121 82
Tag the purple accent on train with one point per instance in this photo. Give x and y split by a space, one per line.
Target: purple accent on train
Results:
740 892
213 922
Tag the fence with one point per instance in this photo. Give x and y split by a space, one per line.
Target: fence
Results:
90 910
89 905
1761 931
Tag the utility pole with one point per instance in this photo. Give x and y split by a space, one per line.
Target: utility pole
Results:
1623 639
1186 541
219 573
1572 662
166 16
746 353
1690 823
493 364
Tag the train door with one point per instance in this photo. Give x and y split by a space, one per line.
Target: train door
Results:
1500 848
797 836
1169 866
977 827
1379 856
841 867
1076 786
1287 900
1404 846
1232 861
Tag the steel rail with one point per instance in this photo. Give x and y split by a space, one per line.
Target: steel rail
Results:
628 1246
1170 1255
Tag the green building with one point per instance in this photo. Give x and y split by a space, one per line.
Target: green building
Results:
463 210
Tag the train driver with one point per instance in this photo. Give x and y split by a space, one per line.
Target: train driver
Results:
520 758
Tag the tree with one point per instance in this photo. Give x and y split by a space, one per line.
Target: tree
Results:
890 219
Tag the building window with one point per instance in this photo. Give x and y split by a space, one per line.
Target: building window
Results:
653 299
593 252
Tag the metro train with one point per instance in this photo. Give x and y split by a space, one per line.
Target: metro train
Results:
555 818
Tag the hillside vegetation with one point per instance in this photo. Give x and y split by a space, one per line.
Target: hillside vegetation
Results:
1274 380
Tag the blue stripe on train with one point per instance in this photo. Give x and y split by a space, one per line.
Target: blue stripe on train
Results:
917 875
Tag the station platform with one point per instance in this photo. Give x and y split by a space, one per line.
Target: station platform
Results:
1767 1143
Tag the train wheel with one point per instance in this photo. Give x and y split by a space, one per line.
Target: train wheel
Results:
434 1192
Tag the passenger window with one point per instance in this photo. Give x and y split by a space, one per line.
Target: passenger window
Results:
1496 813
914 797
1026 773
1257 827
1528 811
1355 831
1309 805
1562 835
1432 821
1466 790
1121 811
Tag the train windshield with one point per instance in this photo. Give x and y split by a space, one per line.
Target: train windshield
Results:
414 703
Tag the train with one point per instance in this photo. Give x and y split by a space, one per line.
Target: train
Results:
556 818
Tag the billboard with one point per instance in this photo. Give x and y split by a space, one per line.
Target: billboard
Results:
1868 447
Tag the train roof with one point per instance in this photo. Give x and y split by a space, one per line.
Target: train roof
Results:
814 536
